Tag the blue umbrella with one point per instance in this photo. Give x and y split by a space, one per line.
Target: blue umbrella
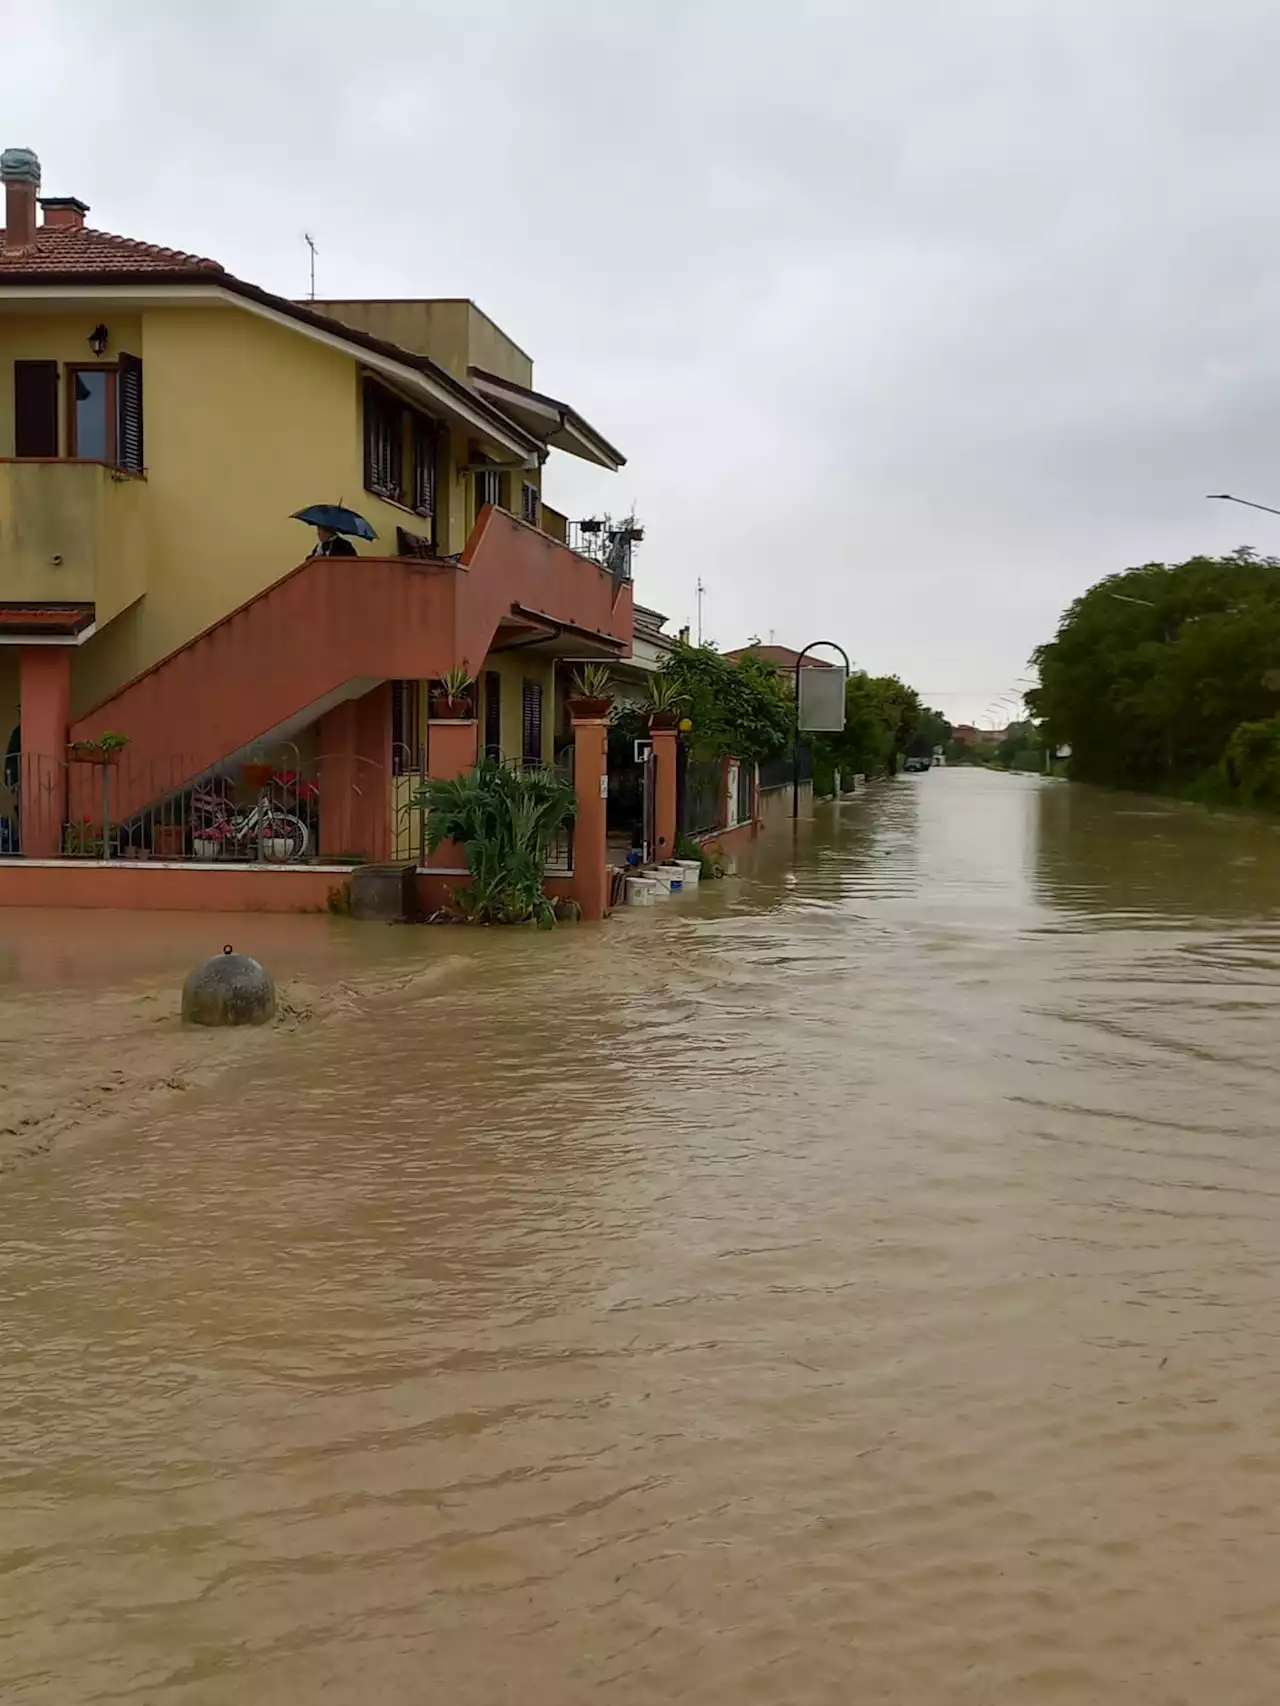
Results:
336 519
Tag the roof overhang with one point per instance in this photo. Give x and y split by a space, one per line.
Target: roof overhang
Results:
54 624
548 419
431 389
524 627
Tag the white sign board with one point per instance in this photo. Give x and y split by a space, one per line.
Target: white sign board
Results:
821 707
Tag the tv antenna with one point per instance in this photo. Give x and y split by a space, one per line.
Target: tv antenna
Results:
702 593
311 244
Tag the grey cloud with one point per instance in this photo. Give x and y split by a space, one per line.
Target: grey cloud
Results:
913 319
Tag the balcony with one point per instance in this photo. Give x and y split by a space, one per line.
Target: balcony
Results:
72 532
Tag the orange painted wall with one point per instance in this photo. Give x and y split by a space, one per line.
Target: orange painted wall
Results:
145 887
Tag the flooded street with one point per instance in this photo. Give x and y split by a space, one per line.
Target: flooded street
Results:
856 1283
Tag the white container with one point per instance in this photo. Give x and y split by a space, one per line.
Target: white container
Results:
692 869
641 891
202 848
666 877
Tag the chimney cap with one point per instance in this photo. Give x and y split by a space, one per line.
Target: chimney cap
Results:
19 166
72 203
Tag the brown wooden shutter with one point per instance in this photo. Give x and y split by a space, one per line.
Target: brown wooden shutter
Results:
492 715
35 408
129 448
424 466
531 743
370 437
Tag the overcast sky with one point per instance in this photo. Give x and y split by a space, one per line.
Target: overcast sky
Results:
912 318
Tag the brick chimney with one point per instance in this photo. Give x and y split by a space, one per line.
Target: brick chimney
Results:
20 174
64 212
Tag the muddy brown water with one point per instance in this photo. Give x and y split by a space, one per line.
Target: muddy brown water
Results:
858 1283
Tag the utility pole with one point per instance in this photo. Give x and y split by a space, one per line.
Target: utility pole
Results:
702 592
310 241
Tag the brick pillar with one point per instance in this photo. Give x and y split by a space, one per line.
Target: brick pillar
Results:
664 812
591 782
44 677
451 751
355 776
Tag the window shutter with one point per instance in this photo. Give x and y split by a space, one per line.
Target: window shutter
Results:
35 408
531 742
129 439
370 434
424 466
492 714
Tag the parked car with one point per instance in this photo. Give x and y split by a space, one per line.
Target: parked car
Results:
918 764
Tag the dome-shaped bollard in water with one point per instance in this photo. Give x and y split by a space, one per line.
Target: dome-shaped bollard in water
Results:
229 989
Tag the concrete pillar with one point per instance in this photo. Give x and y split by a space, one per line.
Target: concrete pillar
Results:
452 750
355 776
591 782
664 808
44 687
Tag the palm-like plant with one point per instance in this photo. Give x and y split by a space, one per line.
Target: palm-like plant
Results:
663 695
504 820
591 681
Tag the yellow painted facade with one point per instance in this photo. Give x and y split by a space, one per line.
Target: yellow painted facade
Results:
452 331
245 421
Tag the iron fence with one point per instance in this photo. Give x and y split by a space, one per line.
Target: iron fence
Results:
778 772
700 800
745 773
278 810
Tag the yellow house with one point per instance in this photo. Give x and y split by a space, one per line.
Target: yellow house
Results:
160 423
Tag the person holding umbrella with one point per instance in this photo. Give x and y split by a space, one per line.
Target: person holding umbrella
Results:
333 524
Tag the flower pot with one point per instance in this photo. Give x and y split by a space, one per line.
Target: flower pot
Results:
88 752
450 710
256 774
277 849
204 847
664 719
589 707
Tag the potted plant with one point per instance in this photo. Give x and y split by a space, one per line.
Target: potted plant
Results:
82 839
665 702
451 698
207 840
105 750
590 691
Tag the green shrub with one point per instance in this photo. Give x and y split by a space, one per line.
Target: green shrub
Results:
505 820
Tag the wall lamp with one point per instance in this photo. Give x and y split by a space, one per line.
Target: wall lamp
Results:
98 339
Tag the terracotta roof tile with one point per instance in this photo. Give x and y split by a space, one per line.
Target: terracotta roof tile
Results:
782 657
64 250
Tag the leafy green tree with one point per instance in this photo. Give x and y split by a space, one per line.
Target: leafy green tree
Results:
1153 670
882 719
738 710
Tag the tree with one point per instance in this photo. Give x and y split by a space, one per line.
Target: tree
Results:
882 718
1152 670
740 710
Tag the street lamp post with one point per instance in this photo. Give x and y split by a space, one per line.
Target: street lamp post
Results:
795 745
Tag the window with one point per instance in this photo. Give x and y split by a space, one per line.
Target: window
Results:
383 444
91 413
406 727
493 715
35 408
530 503
531 720
488 488
423 446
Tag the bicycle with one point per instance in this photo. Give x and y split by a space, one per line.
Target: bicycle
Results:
279 836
